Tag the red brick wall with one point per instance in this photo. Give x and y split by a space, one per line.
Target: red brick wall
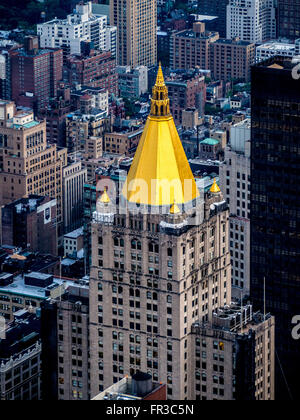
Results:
159 394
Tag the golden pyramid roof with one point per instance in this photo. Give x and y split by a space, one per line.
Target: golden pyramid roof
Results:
160 173
215 189
104 197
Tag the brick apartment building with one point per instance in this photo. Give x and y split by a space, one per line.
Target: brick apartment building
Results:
35 74
95 69
28 223
186 92
190 48
124 142
55 115
231 59
227 59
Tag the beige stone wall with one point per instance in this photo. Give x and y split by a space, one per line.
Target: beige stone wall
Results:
137 285
136 22
30 166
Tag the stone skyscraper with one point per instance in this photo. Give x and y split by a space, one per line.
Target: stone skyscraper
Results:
157 267
235 184
136 22
253 21
28 165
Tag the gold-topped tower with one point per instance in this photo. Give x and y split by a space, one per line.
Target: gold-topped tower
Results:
160 174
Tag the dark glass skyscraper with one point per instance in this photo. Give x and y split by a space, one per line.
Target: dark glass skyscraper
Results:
275 209
289 18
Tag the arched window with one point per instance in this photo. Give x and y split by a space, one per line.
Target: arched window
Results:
169 287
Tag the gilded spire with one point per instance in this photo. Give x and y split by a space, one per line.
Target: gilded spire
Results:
160 174
104 197
160 103
215 189
160 81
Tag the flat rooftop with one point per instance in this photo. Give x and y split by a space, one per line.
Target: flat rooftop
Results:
189 33
75 234
28 125
233 42
18 287
277 46
210 142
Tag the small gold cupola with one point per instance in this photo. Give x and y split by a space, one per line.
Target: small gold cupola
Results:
105 197
174 209
215 189
160 102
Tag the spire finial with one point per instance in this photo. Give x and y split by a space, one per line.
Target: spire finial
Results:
160 80
160 103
